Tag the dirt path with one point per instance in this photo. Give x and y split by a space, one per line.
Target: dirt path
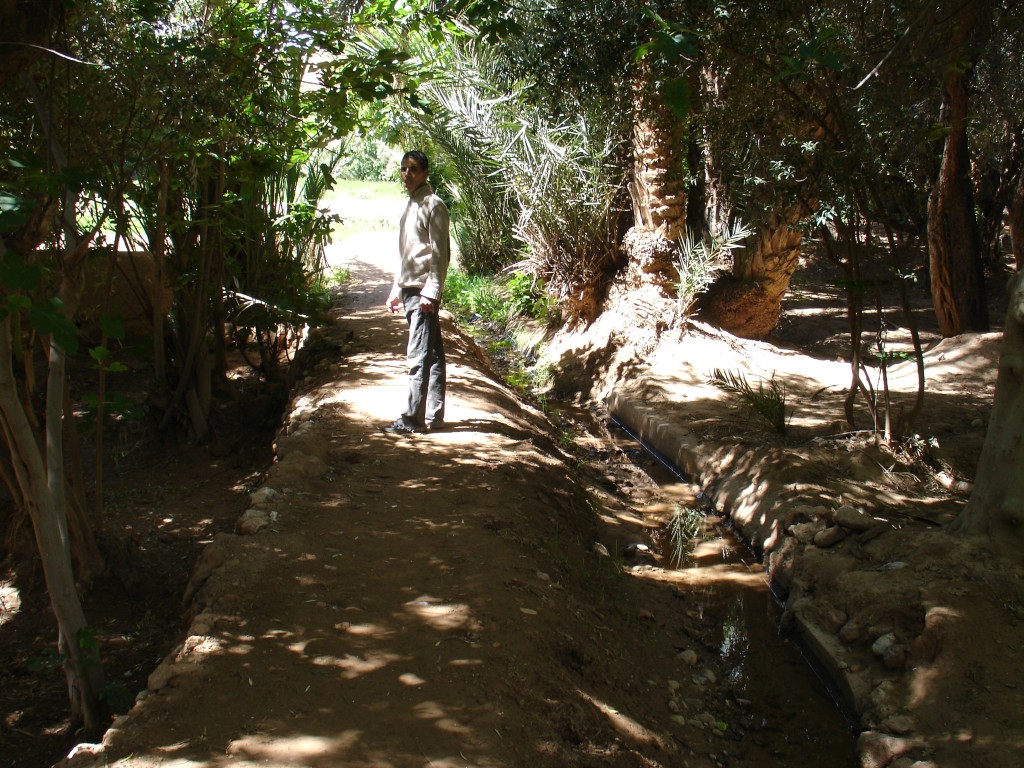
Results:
435 600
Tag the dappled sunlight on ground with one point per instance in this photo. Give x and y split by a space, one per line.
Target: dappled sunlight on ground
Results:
10 602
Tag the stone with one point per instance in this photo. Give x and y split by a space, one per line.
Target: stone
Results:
884 700
829 537
262 497
895 656
898 724
878 750
252 521
162 675
306 465
883 644
833 620
850 632
688 656
853 519
895 565
805 532
707 719
82 755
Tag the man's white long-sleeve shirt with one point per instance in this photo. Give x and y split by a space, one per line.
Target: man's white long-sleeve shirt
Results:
424 243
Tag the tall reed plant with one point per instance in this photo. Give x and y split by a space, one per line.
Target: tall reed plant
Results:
531 194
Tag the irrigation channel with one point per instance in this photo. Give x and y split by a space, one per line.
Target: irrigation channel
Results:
806 715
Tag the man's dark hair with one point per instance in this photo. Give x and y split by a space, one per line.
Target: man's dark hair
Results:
419 157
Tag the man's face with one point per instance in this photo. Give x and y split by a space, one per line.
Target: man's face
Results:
412 175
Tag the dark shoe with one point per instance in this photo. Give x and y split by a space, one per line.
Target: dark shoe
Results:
400 428
436 426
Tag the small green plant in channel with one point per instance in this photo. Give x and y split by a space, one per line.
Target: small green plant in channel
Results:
768 400
683 529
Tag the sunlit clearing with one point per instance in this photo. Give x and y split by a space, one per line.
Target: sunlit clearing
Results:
923 679
177 746
411 679
277 634
814 311
428 710
297 750
10 601
711 575
624 724
354 666
204 645
442 616
710 549
364 630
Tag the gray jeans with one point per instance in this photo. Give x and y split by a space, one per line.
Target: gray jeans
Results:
426 363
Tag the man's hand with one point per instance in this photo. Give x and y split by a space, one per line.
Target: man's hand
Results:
393 303
428 306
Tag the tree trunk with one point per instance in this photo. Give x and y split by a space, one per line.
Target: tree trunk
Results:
36 483
39 464
25 29
156 247
775 255
84 549
1017 223
748 302
954 243
996 507
657 191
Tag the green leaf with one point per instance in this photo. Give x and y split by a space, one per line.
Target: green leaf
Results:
112 327
87 640
48 318
49 660
643 50
420 104
16 275
676 94
16 303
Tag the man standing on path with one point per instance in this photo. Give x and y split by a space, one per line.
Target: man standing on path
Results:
424 249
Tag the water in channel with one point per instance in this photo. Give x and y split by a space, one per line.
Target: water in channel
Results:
801 719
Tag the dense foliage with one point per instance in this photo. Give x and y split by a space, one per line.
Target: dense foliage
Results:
192 143
201 136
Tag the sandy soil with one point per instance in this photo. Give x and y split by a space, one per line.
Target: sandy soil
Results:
461 598
920 629
471 597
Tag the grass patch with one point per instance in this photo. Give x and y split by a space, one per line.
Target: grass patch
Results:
366 206
493 308
498 301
